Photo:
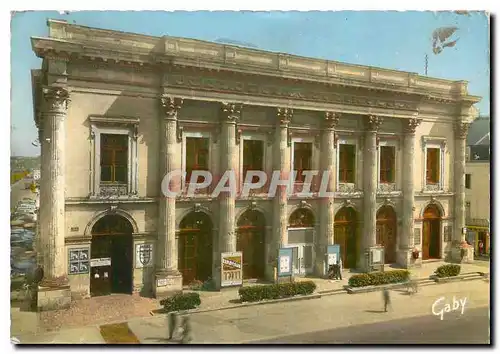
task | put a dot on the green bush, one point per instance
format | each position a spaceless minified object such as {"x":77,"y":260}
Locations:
{"x":448,"y":270}
{"x":276,"y":291}
{"x":379,"y":278}
{"x":181,"y":302}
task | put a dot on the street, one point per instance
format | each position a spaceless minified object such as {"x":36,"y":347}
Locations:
{"x":471,"y":328}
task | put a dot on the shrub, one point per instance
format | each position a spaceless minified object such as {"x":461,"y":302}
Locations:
{"x":276,"y":291}
{"x":379,"y":278}
{"x":448,"y":270}
{"x":181,"y":302}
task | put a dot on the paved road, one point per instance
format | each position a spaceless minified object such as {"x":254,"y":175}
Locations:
{"x":17,"y":192}
{"x":470,"y":328}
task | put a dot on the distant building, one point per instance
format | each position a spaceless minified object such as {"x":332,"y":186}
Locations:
{"x":477,"y":183}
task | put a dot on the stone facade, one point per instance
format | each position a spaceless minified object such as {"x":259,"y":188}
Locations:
{"x":159,"y":91}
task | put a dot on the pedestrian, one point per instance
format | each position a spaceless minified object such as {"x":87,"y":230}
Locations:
{"x":187,"y":336}
{"x":481,"y":247}
{"x":172,"y":324}
{"x":387,"y":298}
{"x":340,"y":268}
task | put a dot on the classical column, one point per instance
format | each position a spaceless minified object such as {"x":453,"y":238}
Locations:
{"x":328,"y":164}
{"x":230,"y":115}
{"x":461,"y":130}
{"x":370,"y":158}
{"x":52,"y":206}
{"x":408,"y":165}
{"x":282,"y":164}
{"x":166,"y":261}
{"x":42,"y":219}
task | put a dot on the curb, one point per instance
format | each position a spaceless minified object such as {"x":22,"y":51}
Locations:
{"x":246,"y":304}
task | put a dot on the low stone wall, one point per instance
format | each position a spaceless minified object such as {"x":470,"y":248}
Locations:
{"x":54,"y":298}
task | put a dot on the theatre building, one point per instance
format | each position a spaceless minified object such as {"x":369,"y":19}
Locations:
{"x":117,"y":111}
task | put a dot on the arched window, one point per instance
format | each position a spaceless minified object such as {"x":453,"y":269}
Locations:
{"x":301,"y":218}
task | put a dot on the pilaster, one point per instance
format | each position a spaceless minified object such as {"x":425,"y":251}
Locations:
{"x":406,"y":243}
{"x":282,"y":164}
{"x":370,"y":158}
{"x":229,"y":117}
{"x":328,"y":164}
{"x":52,"y":233}
{"x":461,"y":129}
{"x":168,"y":279}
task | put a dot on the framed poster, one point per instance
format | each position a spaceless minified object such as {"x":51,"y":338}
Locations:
{"x":231,"y":269}
{"x":78,"y":259}
{"x":143,"y":255}
{"x":285,"y":259}
{"x":333,"y":256}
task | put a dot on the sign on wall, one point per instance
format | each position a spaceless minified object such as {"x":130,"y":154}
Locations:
{"x":285,"y":264}
{"x":143,"y":255}
{"x":100,"y":262}
{"x":78,"y":260}
{"x":231,"y":269}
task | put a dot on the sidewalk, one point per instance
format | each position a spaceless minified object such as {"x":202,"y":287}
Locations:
{"x":236,"y":326}
{"x":228,"y":297}
{"x":210,"y":319}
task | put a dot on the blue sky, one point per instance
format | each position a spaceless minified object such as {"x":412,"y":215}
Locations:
{"x":394,"y":40}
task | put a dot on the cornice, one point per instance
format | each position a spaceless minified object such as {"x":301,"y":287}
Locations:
{"x":87,"y":201}
{"x":119,"y":46}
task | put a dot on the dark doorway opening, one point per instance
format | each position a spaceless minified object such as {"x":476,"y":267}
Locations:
{"x":346,"y":235}
{"x":386,"y":232}
{"x":112,"y":246}
{"x":195,"y":247}
{"x":431,"y":238}
{"x":251,"y":242}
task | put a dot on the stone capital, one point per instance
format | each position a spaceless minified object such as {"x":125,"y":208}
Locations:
{"x":231,"y":112}
{"x":373,"y":122}
{"x":171,"y":106}
{"x":284,"y":115}
{"x":331,"y":119}
{"x":56,"y":99}
{"x":410,"y":125}
{"x":461,"y":130}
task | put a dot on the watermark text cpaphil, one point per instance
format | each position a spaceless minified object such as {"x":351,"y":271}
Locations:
{"x":174,"y":183}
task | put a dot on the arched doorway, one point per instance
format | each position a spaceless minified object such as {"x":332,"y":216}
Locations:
{"x":251,"y":241}
{"x":301,"y":239}
{"x":195,"y":247}
{"x":387,"y":231}
{"x":346,"y":230}
{"x":431,"y":233}
{"x":111,"y":250}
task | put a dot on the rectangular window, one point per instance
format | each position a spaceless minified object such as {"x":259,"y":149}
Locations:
{"x":114,"y":158}
{"x":467,"y":181}
{"x":196,"y":156}
{"x":302,"y":159}
{"x":433,"y":167}
{"x":253,"y":157}
{"x":387,"y":164}
{"x":347,"y":163}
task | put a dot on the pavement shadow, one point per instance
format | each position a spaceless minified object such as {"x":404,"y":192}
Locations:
{"x":163,"y":340}
{"x":235,"y":301}
{"x":375,"y":311}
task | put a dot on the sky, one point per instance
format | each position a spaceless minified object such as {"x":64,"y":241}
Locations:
{"x":393,"y":40}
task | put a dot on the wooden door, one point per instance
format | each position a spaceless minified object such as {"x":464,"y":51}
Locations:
{"x":426,"y":238}
{"x":386,"y":233}
{"x":187,"y":256}
{"x":248,"y":243}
